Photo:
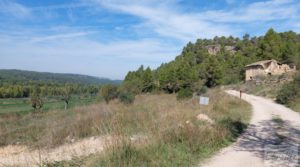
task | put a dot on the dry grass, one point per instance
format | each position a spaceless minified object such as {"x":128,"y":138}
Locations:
{"x":54,"y":127}
{"x":174,"y":136}
{"x":295,"y":104}
{"x":177,"y":137}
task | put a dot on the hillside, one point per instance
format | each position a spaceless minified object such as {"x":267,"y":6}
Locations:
{"x":213,"y":62}
{"x":21,"y":76}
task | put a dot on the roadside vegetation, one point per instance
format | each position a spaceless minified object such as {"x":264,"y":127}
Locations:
{"x":268,"y":86}
{"x":289,"y":94}
{"x":166,"y":131}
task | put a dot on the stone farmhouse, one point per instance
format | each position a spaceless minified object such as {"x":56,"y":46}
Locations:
{"x":265,"y":68}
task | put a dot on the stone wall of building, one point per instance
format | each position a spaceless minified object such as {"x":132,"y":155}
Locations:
{"x":266,"y":68}
{"x":253,"y":71}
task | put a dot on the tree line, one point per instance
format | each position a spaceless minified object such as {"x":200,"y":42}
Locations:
{"x":45,"y":90}
{"x":21,"y":76}
{"x":20,"y":84}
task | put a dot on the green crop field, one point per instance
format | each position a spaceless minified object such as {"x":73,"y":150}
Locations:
{"x":23,"y":105}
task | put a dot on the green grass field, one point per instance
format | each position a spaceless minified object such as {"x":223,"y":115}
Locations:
{"x":23,"y":105}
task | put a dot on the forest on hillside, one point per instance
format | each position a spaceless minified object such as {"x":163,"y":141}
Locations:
{"x":212,"y":62}
{"x":21,"y":76}
{"x":19,"y":84}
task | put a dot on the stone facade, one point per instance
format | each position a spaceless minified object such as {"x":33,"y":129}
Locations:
{"x":265,"y":68}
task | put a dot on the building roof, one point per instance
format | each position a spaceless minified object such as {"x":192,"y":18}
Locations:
{"x":261,"y":63}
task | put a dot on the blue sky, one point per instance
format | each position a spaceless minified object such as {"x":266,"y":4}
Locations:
{"x":108,"y":38}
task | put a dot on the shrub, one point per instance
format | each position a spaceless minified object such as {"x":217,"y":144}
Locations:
{"x":36,"y":102}
{"x":131,"y":86}
{"x":126,"y":97}
{"x":289,"y":91}
{"x":202,"y":90}
{"x":109,"y":92}
{"x":286,"y":93}
{"x":185,"y":93}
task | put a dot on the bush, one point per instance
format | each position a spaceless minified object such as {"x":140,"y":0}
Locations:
{"x":185,"y":93}
{"x":286,"y":93}
{"x":202,"y":90}
{"x":289,"y":91}
{"x":126,"y":98}
{"x":109,"y":92}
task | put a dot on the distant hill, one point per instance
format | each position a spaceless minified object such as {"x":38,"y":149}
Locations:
{"x":22,"y":76}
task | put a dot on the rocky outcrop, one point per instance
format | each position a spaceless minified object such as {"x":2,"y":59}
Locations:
{"x":214,"y":49}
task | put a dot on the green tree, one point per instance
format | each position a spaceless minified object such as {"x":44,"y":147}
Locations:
{"x":271,"y":46}
{"x":36,"y":100}
{"x":109,"y":92}
{"x":66,"y":95}
{"x":147,"y":80}
{"x":211,"y":72}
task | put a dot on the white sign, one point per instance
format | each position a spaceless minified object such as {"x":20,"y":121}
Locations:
{"x":204,"y":100}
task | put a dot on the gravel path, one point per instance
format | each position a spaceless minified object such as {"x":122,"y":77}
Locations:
{"x":271,"y":140}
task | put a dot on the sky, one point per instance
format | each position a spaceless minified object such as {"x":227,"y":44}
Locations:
{"x":108,"y":38}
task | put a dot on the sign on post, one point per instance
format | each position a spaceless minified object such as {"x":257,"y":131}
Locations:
{"x":204,"y":100}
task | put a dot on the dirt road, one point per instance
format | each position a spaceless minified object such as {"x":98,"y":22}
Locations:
{"x":271,"y":140}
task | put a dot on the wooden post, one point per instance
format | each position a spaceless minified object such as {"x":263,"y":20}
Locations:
{"x":241,"y":94}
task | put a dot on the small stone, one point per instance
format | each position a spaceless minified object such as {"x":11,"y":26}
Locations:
{"x":204,"y":117}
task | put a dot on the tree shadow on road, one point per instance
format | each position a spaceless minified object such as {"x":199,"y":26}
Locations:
{"x":276,"y":142}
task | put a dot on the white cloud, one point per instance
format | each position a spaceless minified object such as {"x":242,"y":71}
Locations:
{"x":260,"y":11}
{"x":58,"y":36}
{"x":166,"y":21}
{"x":14,"y":9}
